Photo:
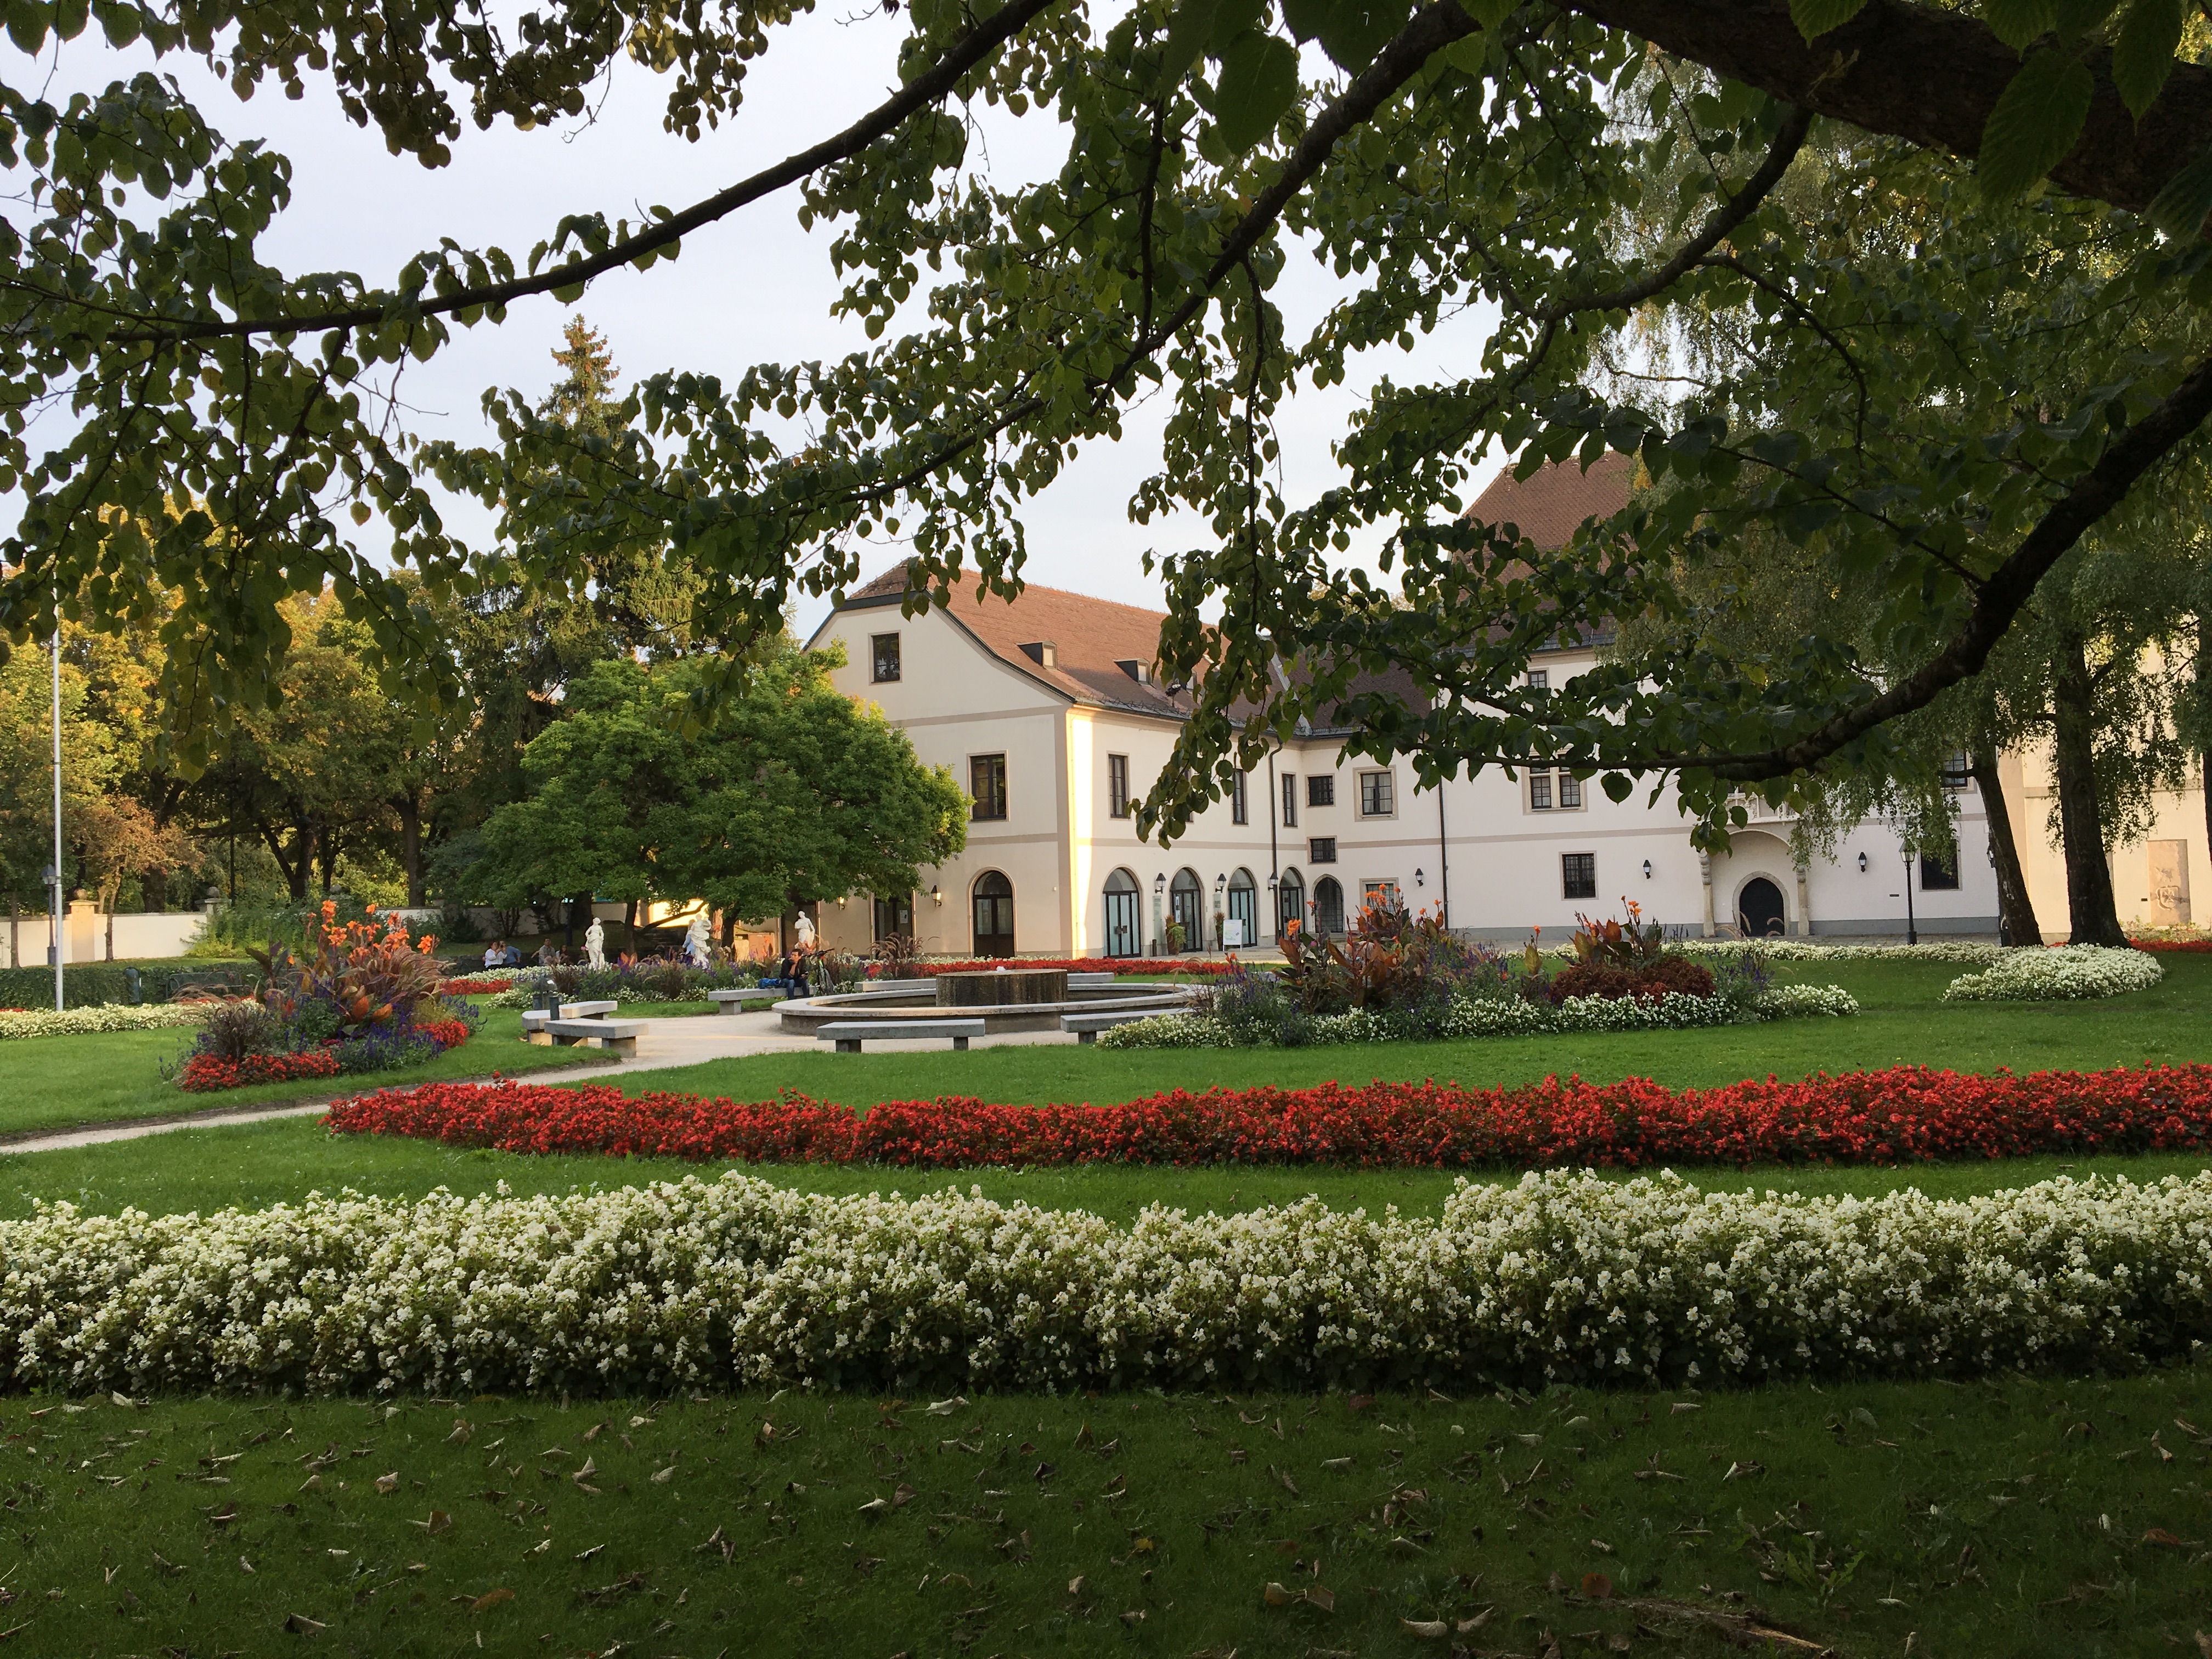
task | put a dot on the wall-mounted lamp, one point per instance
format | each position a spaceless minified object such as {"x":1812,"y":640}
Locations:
{"x":935,"y":897}
{"x":1159,"y":884}
{"x":1863,"y":863}
{"x":1647,"y":869}
{"x":1418,"y":880}
{"x":841,"y":901}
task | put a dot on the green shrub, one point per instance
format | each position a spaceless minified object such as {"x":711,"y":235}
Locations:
{"x":91,"y":984}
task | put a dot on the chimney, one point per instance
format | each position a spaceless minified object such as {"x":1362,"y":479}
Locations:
{"x":1140,"y":672}
{"x":1044,"y":652}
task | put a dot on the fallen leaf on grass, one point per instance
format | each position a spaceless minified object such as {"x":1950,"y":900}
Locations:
{"x":1313,"y":1596}
{"x":594,"y":1432}
{"x":438,"y":1523}
{"x":490,"y":1599}
{"x":877,"y":1506}
{"x":461,"y":1433}
{"x":300,"y":1625}
{"x":1744,"y":1471}
{"x":1598,"y":1587}
{"x":945,"y":1408}
{"x":1681,"y":1405}
{"x":1075,"y":1585}
{"x":1134,"y":1617}
{"x":2159,"y":1538}
{"x":1425,"y":1626}
{"x":904,"y":1496}
{"x":245,"y":1565}
{"x":2203,"y":1643}
{"x":388,"y":1484}
{"x":1360,"y":1402}
{"x":662,"y":1477}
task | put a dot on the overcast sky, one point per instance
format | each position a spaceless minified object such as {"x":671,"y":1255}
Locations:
{"x":755,"y":288}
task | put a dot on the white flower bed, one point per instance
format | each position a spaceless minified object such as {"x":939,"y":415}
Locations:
{"x":2066,"y":973}
{"x":105,"y":1016}
{"x":1793,"y":949}
{"x":734,"y":1282}
{"x":1489,"y":1016}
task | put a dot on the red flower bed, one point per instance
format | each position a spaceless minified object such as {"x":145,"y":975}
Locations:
{"x":1073,"y":964}
{"x":2174,"y":946}
{"x":204,"y":1073}
{"x":1902,"y":1115}
{"x":450,"y":1033}
{"x":471,"y":988}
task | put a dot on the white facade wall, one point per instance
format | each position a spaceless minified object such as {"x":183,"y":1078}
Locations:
{"x":1492,"y":862}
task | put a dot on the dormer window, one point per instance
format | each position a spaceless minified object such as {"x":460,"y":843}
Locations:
{"x":1044,"y":652}
{"x":1140,"y":672}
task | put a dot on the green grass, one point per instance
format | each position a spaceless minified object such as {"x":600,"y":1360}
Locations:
{"x":62,"y":1082}
{"x":1902,"y":1023}
{"x":256,"y":1164}
{"x":2022,"y":1517}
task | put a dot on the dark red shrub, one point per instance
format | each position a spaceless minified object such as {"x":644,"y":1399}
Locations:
{"x":1593,"y":979}
{"x":1676,"y":974}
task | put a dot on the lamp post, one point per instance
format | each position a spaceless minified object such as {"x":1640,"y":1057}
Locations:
{"x":1159,"y":890}
{"x":1220,"y":886}
{"x":54,"y":874}
{"x":1912,"y":927}
{"x":1274,"y":909}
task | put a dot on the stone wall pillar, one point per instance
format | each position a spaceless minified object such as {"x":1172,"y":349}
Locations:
{"x":1804,"y":903}
{"x":1705,"y":875}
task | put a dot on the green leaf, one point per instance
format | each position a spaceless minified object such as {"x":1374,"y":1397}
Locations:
{"x":2142,"y":56}
{"x":1350,"y":30}
{"x":2080,"y":17}
{"x":2037,"y":118}
{"x":1814,"y":18}
{"x":1192,"y":27}
{"x":1259,"y":78}
{"x":2016,"y":22}
{"x":2181,"y":207}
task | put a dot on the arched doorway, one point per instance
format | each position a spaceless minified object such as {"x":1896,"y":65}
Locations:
{"x":1124,"y":924}
{"x":994,"y":915}
{"x":1327,"y":906}
{"x":1187,"y":904}
{"x":1759,"y":911}
{"x":1290,"y":903}
{"x":1244,"y":908}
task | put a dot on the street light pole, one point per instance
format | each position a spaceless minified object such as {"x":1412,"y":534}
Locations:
{"x":54,"y":885}
{"x":1911,"y":929}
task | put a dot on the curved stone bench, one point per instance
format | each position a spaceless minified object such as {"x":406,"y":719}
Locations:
{"x":849,"y":1035}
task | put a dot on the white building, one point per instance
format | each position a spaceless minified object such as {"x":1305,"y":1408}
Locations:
{"x":1048,"y":711}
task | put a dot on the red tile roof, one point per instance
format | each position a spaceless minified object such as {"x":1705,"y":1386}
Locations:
{"x":1091,"y":638}
{"x":1555,"y":500}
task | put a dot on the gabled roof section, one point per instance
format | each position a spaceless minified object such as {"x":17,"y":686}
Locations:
{"x":1090,"y":640}
{"x":1557,"y":500}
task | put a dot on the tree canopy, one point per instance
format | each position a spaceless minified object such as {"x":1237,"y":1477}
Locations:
{"x":1981,"y":339}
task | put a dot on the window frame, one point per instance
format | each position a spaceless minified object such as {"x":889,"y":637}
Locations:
{"x":1313,"y":852}
{"x":1117,"y":786}
{"x":1320,"y":789}
{"x":1382,"y":783}
{"x":1240,"y":810}
{"x":976,"y":812}
{"x":1928,"y":865}
{"x":876,"y":676}
{"x":1289,"y":800}
{"x":1539,"y":790}
{"x":1568,"y":870}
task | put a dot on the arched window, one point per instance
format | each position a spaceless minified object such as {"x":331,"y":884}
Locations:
{"x":1289,"y":902}
{"x":1187,"y":904}
{"x":1327,"y":906}
{"x":1125,"y":930}
{"x":1244,"y":908}
{"x":994,"y":915}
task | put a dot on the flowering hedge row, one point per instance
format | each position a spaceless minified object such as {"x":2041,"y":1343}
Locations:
{"x":2071,"y":973}
{"x":1901,"y":1115}
{"x":736,"y":1283}
{"x":2174,"y":946}
{"x":101,"y":1016}
{"x":475,"y":985}
{"x":1805,"y":949}
{"x":1502,"y":1016}
{"x":205,"y":1075}
{"x":1195,"y":965}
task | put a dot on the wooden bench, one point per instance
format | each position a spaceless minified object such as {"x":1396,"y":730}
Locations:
{"x":618,"y":1037}
{"x":849,"y":1034}
{"x":1087,"y":1027}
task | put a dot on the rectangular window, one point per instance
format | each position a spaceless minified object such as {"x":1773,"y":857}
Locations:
{"x":1238,"y":812}
{"x":1578,"y":875}
{"x":1937,"y":875}
{"x":1290,"y":801}
{"x":886,"y":655}
{"x":1117,"y":786}
{"x":1320,"y":790}
{"x":1540,"y":683}
{"x":1957,"y":774}
{"x":986,"y":782}
{"x":1570,"y":790}
{"x":1539,"y":791}
{"x":1378,"y":795}
{"x":1322,"y":849}
{"x":1381,"y":895}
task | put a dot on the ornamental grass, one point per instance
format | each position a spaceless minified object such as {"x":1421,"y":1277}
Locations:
{"x":1902,"y":1114}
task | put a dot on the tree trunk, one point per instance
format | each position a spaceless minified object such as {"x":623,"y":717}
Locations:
{"x":409,"y":808}
{"x":2093,"y":918}
{"x":630,"y":921}
{"x":2015,"y":908}
{"x":300,"y":865}
{"x":326,"y":860}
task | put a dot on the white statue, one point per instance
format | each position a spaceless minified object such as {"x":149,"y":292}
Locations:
{"x":696,"y":939}
{"x":806,"y":931}
{"x":595,"y":944}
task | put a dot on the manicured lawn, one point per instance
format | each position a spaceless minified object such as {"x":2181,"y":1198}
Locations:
{"x":1904,"y":1023}
{"x":59,"y":1082}
{"x":2024,"y":1518}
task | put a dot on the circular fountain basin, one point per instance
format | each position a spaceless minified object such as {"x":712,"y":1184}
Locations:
{"x":1088,"y":994}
